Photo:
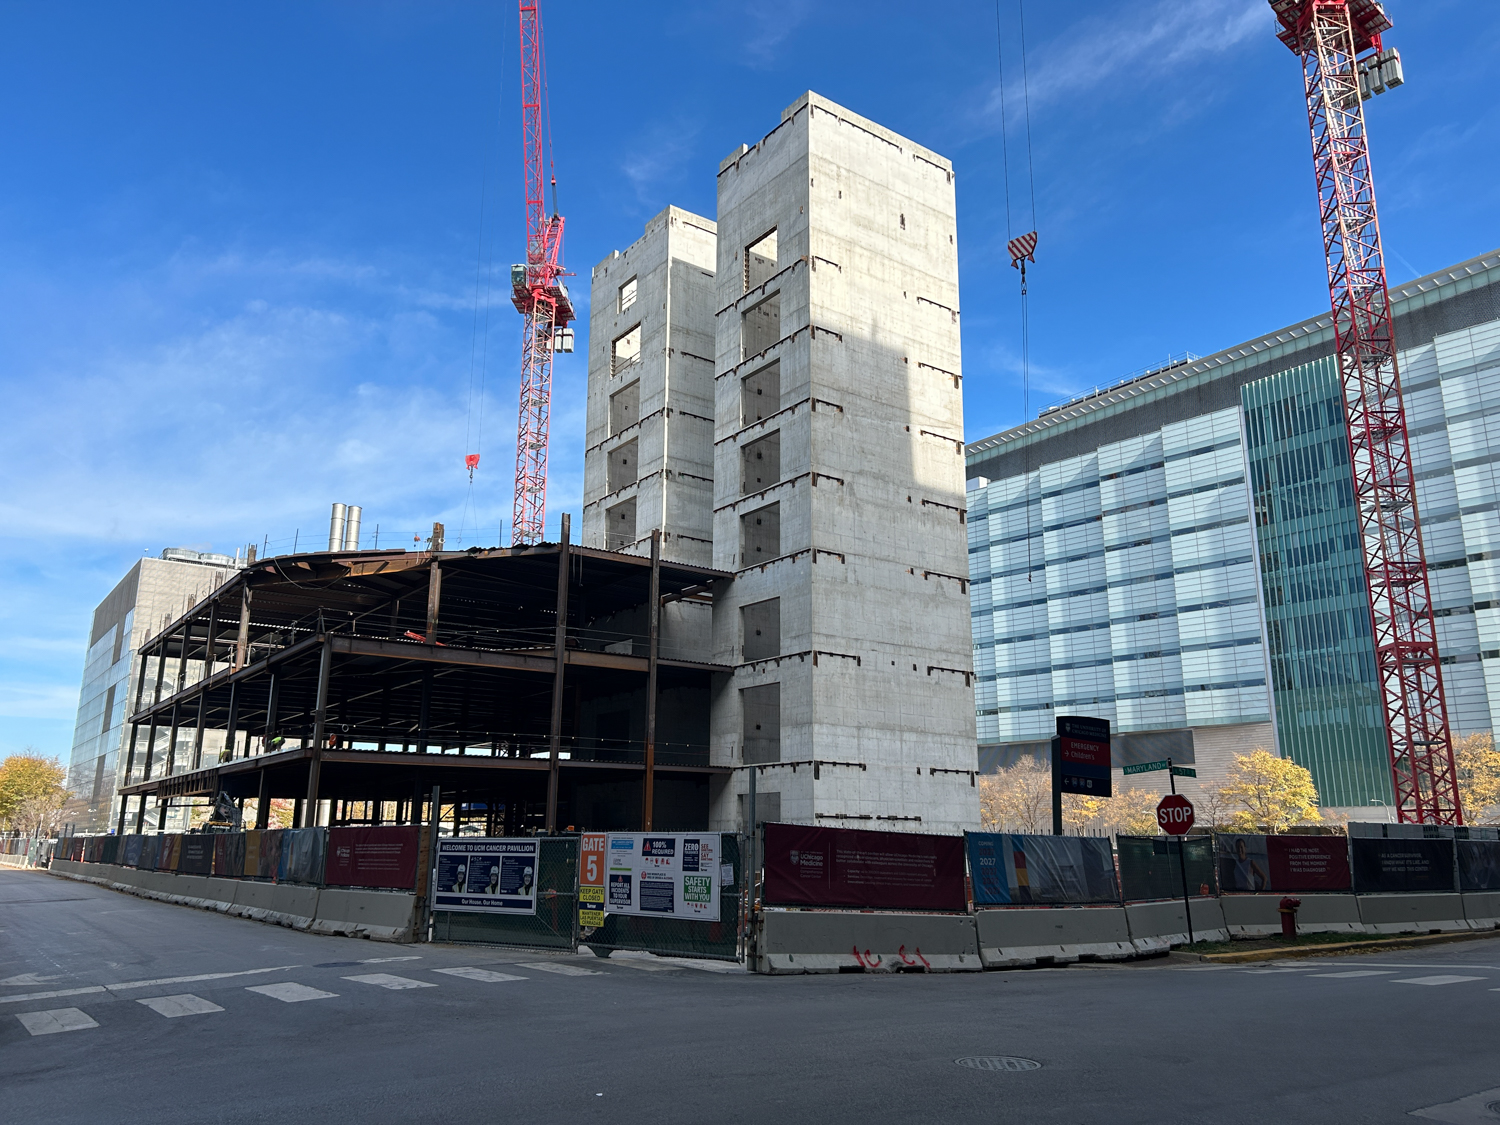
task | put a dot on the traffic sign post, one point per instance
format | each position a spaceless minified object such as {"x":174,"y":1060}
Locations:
{"x":1175,"y":816}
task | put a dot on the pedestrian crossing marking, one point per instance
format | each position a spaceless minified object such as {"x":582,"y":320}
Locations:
{"x":57,"y":1020}
{"x":560,"y":969}
{"x":1357,"y":973}
{"x":388,"y":980}
{"x":1441,"y":979}
{"x":488,"y":976}
{"x":289,"y":992}
{"x":184,"y":1005}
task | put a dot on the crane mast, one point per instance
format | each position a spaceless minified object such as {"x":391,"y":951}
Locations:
{"x":537,"y":294}
{"x":1329,"y":36}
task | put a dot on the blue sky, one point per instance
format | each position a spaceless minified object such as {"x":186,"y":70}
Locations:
{"x":238,"y":242}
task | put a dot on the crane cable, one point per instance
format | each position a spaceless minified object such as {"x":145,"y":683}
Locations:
{"x":479,"y":343}
{"x":1023,"y":247}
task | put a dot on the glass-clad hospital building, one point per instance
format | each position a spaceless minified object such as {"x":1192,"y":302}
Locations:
{"x":1179,"y":553}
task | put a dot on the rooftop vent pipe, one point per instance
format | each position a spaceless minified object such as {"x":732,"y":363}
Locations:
{"x":351,"y":528}
{"x":336,"y":528}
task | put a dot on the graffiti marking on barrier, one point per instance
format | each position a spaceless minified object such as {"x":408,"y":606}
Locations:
{"x":918,"y":951}
{"x":869,"y":960}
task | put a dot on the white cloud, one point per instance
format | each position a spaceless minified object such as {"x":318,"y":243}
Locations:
{"x":1140,"y":44}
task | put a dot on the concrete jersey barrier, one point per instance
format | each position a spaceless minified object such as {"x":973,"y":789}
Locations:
{"x":1404,"y":913}
{"x":333,"y":911}
{"x":1157,"y":926}
{"x":1017,"y":937}
{"x":1249,"y":915}
{"x":827,"y":941}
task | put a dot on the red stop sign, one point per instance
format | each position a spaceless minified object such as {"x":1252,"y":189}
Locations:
{"x":1175,"y":815}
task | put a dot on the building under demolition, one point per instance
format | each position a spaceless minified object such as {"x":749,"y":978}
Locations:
{"x":1179,"y":553}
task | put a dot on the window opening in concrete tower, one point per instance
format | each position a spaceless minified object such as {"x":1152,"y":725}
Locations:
{"x":627,"y":294}
{"x":761,"y":626}
{"x":760,"y":463}
{"x":623,"y":467}
{"x":760,"y":394}
{"x":625,"y":408}
{"x":767,"y":809}
{"x":760,"y":535}
{"x":626,"y":350}
{"x":760,"y":260}
{"x":761,"y":707}
{"x":760,"y":327}
{"x":619,"y":526}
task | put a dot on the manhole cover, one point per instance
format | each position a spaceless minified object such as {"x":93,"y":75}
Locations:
{"x":998,"y":1062}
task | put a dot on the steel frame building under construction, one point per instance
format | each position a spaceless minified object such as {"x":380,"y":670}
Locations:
{"x":521,"y":682}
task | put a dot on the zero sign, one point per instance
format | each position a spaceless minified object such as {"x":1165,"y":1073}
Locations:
{"x":1175,"y":815}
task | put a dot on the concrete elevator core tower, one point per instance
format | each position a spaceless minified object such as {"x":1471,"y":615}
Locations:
{"x":648,"y":463}
{"x":839,"y":482}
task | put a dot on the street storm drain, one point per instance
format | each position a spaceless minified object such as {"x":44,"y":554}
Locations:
{"x":998,"y":1062}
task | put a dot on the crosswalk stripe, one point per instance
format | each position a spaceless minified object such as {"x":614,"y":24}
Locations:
{"x":59,"y":1019}
{"x":1357,"y":973}
{"x":560,"y":969}
{"x":387,"y":980}
{"x":648,"y":966}
{"x":1263,"y":971}
{"x":290,"y":992}
{"x":1441,"y":979}
{"x":489,"y":976}
{"x":184,"y":1005}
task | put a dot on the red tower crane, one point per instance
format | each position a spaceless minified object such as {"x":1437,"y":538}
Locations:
{"x":1330,"y":36}
{"x":537,"y":292}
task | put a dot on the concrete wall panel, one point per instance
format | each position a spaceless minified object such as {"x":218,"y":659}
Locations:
{"x":1011,"y":938}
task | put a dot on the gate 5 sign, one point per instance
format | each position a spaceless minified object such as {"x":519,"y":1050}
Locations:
{"x":486,"y":876}
{"x":1175,"y":815}
{"x":592,"y":847}
{"x":665,"y":875}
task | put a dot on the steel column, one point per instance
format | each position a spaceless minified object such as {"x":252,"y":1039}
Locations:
{"x":560,"y":654}
{"x":320,"y":721}
{"x":653,"y":640}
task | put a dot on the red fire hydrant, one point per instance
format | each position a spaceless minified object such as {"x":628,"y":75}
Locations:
{"x":1288,"y":910}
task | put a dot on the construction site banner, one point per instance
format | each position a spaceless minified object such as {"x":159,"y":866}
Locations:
{"x":486,"y":875}
{"x":663,"y":874}
{"x":1478,"y":865}
{"x":132,"y":854}
{"x":268,"y":857}
{"x":1394,"y":866}
{"x":1010,"y":869}
{"x":302,"y":852}
{"x":1151,"y":866}
{"x":1250,"y":862}
{"x":372,"y":857}
{"x":229,"y":854}
{"x":871,"y":870}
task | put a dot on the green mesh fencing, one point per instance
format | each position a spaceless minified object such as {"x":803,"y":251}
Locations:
{"x":553,"y":926}
{"x":1151,"y":867}
{"x":681,"y":937}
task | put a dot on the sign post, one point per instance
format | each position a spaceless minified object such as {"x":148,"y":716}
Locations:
{"x":1080,"y":762}
{"x":1175,"y":815}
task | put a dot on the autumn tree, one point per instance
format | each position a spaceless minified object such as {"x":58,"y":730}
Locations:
{"x":31,"y":792}
{"x":1478,"y":764}
{"x":1269,"y":793}
{"x":1017,"y":799}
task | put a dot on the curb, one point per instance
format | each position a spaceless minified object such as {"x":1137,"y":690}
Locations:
{"x":1416,"y":940}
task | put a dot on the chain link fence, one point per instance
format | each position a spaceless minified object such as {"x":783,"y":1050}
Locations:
{"x":682,"y":937}
{"x":553,"y":926}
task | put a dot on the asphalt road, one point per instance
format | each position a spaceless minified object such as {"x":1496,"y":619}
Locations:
{"x":118,"y":1009}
